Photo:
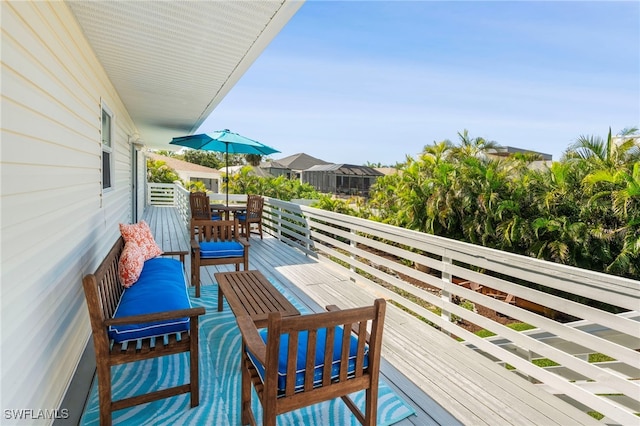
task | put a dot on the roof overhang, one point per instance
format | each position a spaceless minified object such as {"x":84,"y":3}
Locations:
{"x":172,"y":62}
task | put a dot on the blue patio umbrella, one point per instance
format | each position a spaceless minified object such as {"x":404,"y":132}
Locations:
{"x":224,"y":141}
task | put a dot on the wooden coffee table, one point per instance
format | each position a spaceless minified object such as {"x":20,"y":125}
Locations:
{"x":250,"y":293}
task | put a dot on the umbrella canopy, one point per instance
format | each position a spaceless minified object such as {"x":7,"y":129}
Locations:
{"x":224,"y":141}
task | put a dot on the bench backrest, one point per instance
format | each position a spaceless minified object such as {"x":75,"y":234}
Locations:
{"x":103,"y":290}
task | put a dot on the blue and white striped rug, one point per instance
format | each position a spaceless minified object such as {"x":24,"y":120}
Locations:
{"x":219,"y":384}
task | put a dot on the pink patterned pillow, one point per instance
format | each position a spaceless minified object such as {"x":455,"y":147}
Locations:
{"x":140,"y":233}
{"x":130,"y":264}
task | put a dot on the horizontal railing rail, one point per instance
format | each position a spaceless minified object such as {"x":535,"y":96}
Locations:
{"x":585,"y":325}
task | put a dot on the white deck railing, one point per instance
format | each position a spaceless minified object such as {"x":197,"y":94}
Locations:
{"x":556,"y":300}
{"x":552,"y":298}
{"x":161,"y":194}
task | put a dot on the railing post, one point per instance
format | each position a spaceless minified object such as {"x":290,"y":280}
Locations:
{"x":446,"y":277}
{"x":353,"y":243}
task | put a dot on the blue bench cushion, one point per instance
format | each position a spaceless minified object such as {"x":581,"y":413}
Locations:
{"x":319,"y":357}
{"x":160,"y":288}
{"x":219,"y":249}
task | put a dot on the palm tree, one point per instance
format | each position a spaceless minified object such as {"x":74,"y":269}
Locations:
{"x":606,"y":154}
{"x":620,"y":191}
{"x":253,"y":159}
{"x":473,"y":147}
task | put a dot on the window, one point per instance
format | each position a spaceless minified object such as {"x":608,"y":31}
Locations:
{"x":107,"y":148}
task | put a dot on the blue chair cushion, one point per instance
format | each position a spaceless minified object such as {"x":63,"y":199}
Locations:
{"x":319,"y":357}
{"x":241,"y":217}
{"x":161,"y":287}
{"x":220,"y":249}
{"x":216,"y":217}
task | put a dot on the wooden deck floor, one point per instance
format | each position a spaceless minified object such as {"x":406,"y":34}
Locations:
{"x":446,"y":382}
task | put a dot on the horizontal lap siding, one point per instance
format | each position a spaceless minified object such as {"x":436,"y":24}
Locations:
{"x":56,"y":223}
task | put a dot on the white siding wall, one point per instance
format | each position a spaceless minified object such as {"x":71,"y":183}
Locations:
{"x":56,"y":223}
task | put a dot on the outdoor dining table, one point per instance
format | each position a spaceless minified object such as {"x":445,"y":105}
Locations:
{"x":235,"y":208}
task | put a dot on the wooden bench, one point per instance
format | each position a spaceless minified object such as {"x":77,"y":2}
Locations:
{"x":103,"y":293}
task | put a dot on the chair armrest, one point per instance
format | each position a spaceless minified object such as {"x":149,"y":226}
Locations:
{"x":243,"y":242}
{"x":157,"y":316}
{"x":252,"y":339}
{"x":195,"y":246}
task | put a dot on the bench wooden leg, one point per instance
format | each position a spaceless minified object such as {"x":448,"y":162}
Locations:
{"x":193,"y":363}
{"x":104,"y":393}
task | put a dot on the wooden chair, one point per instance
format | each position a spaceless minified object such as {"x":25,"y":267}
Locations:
{"x":215,"y":242}
{"x":253,"y":214}
{"x":201,"y":207}
{"x":285,"y":382}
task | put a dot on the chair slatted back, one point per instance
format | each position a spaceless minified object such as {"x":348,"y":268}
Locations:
{"x":214,"y":230}
{"x":199,"y":204}
{"x":354,"y":323}
{"x":255,"y":204}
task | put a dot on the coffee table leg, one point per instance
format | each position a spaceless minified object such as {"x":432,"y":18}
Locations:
{"x":220,"y":296}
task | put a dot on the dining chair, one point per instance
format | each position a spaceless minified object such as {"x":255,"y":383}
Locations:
{"x":215,"y":242}
{"x":201,"y":207}
{"x":308,"y":359}
{"x":252,"y":215}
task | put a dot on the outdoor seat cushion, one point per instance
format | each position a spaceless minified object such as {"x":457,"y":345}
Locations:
{"x":319,"y":357}
{"x":160,"y":288}
{"x":243,"y":216}
{"x":220,"y":249}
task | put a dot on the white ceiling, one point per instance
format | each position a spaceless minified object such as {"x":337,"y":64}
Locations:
{"x":172,"y":62}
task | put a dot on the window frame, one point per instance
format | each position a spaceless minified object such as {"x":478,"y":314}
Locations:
{"x":107,"y":149}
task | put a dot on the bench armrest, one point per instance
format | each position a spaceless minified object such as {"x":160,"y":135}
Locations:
{"x":157,"y":316}
{"x":181,"y":253}
{"x":252,"y":339}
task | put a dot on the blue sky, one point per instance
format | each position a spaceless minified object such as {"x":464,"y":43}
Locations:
{"x":361,"y":81}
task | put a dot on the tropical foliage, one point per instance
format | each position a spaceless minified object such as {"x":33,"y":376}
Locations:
{"x":583,"y":210}
{"x":159,"y":172}
{"x":245,"y":182}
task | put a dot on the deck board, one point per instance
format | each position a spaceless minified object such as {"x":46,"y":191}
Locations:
{"x":449,"y":382}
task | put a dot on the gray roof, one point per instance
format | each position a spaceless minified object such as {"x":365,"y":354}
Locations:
{"x":299,"y":161}
{"x":345,"y":169}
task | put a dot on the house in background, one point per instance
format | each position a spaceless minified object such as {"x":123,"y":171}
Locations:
{"x":86,"y":87}
{"x":291,"y":166}
{"x":190,"y":172}
{"x":341,"y":179}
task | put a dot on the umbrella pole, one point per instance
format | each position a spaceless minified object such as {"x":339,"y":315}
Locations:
{"x":227,"y":177}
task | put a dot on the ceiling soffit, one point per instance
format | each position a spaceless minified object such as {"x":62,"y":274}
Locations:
{"x":172,"y":62}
